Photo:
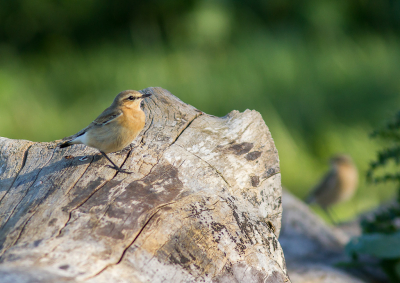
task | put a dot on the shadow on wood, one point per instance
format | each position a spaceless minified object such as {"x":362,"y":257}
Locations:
{"x":203,"y":204}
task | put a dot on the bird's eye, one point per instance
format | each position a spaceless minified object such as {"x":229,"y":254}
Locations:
{"x":131,"y":98}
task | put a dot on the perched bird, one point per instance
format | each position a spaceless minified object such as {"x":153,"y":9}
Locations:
{"x":116,"y":127}
{"x":338,"y":185}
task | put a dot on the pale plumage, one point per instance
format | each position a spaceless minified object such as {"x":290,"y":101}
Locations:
{"x":116,"y":127}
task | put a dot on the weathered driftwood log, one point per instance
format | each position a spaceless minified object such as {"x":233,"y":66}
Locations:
{"x":313,"y":249}
{"x":203,"y":204}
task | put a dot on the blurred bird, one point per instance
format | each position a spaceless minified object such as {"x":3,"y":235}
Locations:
{"x":338,"y":185}
{"x":116,"y":127}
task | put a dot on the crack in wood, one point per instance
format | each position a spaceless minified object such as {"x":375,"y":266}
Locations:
{"x":132,"y":242}
{"x":78,"y":179}
{"x":145,"y":131}
{"x":15,"y":207}
{"x":30,"y":217}
{"x":20,"y":233}
{"x":111,"y":202}
{"x":19,"y":171}
{"x":27,"y":191}
{"x":141,"y":230}
{"x":203,"y":210}
{"x":82,"y":203}
{"x":280,"y":268}
{"x":215,"y":169}
{"x":18,"y":237}
{"x":269,"y":177}
{"x":187,"y":126}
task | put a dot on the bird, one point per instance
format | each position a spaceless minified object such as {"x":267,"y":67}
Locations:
{"x":115,"y":128}
{"x":338,"y":185}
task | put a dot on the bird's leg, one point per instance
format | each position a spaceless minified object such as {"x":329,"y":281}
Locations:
{"x":335,"y":216}
{"x":115,"y":166}
{"x":329,"y":215}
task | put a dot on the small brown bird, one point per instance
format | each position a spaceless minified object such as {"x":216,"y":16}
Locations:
{"x":116,"y":127}
{"x":338,"y":185}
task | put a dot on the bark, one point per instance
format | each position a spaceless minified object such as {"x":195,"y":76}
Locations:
{"x":203,"y":204}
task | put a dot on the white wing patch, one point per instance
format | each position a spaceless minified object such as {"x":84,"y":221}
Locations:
{"x":80,"y":139}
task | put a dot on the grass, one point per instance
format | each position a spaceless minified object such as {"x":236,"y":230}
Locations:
{"x":318,"y":98}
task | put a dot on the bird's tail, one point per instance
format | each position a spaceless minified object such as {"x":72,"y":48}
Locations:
{"x":66,"y":144}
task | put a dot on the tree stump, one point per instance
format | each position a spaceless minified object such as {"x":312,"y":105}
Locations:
{"x":203,"y":204}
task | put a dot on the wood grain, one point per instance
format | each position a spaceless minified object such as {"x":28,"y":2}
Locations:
{"x":203,"y":204}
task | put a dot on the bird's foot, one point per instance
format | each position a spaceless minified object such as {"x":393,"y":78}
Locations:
{"x":119,"y":169}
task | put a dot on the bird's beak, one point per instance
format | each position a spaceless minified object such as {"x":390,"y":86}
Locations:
{"x":146,"y":95}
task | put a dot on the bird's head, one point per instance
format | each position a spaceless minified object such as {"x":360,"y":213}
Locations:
{"x":130,"y":98}
{"x":341,"y":159}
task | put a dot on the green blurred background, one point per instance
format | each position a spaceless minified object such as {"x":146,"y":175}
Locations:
{"x":322,"y":73}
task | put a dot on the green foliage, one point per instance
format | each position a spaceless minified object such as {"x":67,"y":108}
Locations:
{"x":386,"y":221}
{"x":381,"y":232}
{"x":29,"y":25}
{"x":391,"y":134}
{"x":376,"y":244}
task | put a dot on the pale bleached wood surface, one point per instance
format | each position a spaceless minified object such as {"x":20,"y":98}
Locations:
{"x":203,"y":204}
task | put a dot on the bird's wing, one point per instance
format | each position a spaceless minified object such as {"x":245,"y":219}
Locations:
{"x":106,"y":117}
{"x":80,"y":133}
{"x":330,"y":180}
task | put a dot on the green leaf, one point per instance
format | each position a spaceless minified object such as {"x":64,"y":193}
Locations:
{"x":384,"y":246}
{"x":397,"y":269}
